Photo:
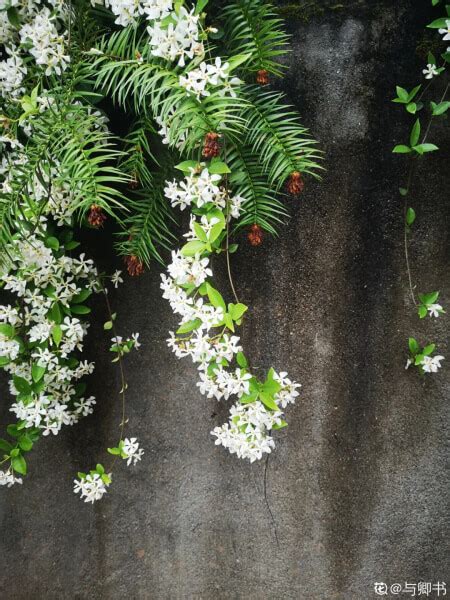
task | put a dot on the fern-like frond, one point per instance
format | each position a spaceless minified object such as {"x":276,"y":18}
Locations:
{"x":276,"y":136}
{"x":261,"y":204}
{"x":253,"y":27}
{"x":145,"y":230}
{"x":68,"y":150}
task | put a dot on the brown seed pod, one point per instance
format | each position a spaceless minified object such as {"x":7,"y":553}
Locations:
{"x":295,"y":184}
{"x":262,"y":77}
{"x":96,"y":216}
{"x":255,"y":235}
{"x":211,"y":146}
{"x":135,"y":266}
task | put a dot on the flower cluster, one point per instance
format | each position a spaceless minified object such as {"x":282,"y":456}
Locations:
{"x":174,"y":32}
{"x":422,"y":359}
{"x":197,"y":81}
{"x":94,"y":485}
{"x":42,"y":35}
{"x":207,"y":323}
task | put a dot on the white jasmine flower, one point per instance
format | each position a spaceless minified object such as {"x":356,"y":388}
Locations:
{"x":446,"y":31}
{"x":431,"y":364}
{"x":435,"y":310}
{"x":91,"y":488}
{"x":431,"y":71}
{"x":116,"y":278}
{"x":132,"y":450}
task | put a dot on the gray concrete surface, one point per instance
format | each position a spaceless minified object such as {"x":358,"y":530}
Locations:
{"x":357,"y":486}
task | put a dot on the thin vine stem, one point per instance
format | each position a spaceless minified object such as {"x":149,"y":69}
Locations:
{"x":408,"y":186}
{"x":121,"y":371}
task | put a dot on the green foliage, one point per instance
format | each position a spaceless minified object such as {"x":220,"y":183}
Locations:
{"x":253,"y":27}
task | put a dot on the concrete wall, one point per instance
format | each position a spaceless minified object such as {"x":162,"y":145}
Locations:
{"x":356,"y":491}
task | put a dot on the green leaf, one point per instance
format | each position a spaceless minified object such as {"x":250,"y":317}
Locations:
{"x":237,"y":311}
{"x":71,"y":245}
{"x":81,"y":297}
{"x":429,"y":349}
{"x":52,"y":242}
{"x":13,"y":16}
{"x":249,"y":398}
{"x":413,"y":346}
{"x":25,"y":443}
{"x":200,"y":6}
{"x":193,"y":248}
{"x":241,"y":360}
{"x":403,"y":191}
{"x":438,"y":24}
{"x":57,"y":334}
{"x":435,"y":2}
{"x":80,"y":309}
{"x":217,"y":167}
{"x":200,"y":232}
{"x":282,"y":425}
{"x":271,"y":386}
{"x":401,"y":149}
{"x":100,"y":469}
{"x":215,"y":297}
{"x":429,"y":298}
{"x":216,"y":230}
{"x":228,"y":321}
{"x":415,"y":133}
{"x":190,"y":326}
{"x":108,"y":325}
{"x":232,"y":248}
{"x":21,"y":385}
{"x":410,"y":216}
{"x":54,"y":314}
{"x":268,"y":401}
{"x":441,"y":108}
{"x":413,"y":92}
{"x":187,"y":165}
{"x":423,"y":148}
{"x":7,"y":330}
{"x":114,"y":451}
{"x":19,"y":465}
{"x":412,"y":108}
{"x":402,"y":94}
{"x":12,"y":430}
{"x":5,"y":446}
{"x":37,"y":373}
{"x":422,"y":311}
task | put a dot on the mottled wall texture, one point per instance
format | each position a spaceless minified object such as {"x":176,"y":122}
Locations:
{"x":356,"y":491}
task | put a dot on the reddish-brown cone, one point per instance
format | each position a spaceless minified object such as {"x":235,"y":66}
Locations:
{"x":255,"y":235}
{"x":211,"y":146}
{"x":262,"y":77}
{"x":135,"y":266}
{"x":295,"y":184}
{"x":96,"y":216}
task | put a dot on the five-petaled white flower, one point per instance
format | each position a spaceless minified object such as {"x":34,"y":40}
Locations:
{"x":431,"y":71}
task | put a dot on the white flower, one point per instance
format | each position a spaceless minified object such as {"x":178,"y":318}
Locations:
{"x":91,"y":488}
{"x":132,"y":450}
{"x":446,"y":32}
{"x":435,"y":310}
{"x":431,"y":364}
{"x":135,"y":340}
{"x":431,"y":71}
{"x":116,"y":278}
{"x":7,"y":478}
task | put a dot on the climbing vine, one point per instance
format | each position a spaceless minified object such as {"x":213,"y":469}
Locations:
{"x":102,"y":103}
{"x":425,"y":357}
